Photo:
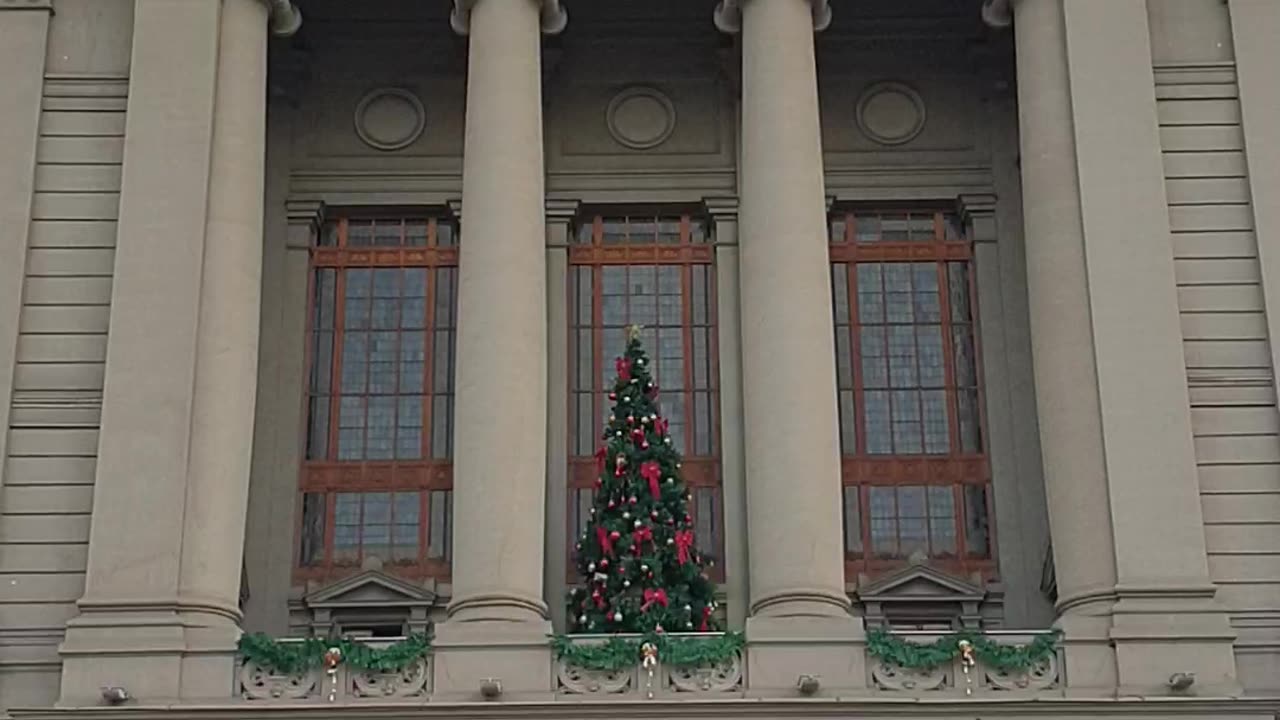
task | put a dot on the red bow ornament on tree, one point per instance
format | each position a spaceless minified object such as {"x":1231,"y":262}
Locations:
{"x":623,"y":366}
{"x":606,"y":545}
{"x":600,"y":456}
{"x":651,"y":471}
{"x":619,"y":466}
{"x":644,"y":534}
{"x":706,"y":618}
{"x":652,"y":596}
{"x":661,"y":426}
{"x":684,"y":543}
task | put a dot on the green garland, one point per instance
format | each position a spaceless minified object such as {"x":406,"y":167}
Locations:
{"x":617,"y":653}
{"x":294,"y":658}
{"x":896,"y":650}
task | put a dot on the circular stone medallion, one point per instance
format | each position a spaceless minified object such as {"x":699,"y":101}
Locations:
{"x":390,"y":119}
{"x":891,"y":113}
{"x":641,"y":118}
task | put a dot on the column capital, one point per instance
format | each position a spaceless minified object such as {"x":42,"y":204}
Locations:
{"x":558,"y":210}
{"x":305,"y":212}
{"x":286,"y":18}
{"x":998,"y":13}
{"x":728,"y":15}
{"x":978,"y":212}
{"x":554,"y":16}
{"x":721,"y":209}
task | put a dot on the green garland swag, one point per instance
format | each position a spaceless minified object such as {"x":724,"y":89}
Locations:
{"x":896,"y":650}
{"x":617,"y":653}
{"x":294,"y":658}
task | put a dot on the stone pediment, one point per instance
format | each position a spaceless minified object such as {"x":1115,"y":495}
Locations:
{"x":371,"y":589}
{"x":921,"y":583}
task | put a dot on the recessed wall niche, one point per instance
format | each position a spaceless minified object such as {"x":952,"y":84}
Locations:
{"x":390,"y":119}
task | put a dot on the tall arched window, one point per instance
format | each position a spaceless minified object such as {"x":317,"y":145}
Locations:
{"x":376,"y":479}
{"x":915,"y":471}
{"x":653,"y":269}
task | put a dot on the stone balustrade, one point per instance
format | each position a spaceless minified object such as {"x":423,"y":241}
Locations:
{"x":659,"y":680}
{"x":955,"y":678}
{"x":343,"y":684}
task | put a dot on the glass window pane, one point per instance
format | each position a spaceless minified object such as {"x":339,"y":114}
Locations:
{"x":878,"y":437}
{"x":313,"y":519}
{"x":884,"y":523}
{"x":837,"y":229}
{"x":970,"y":427}
{"x":894,"y":227}
{"x":867,"y":228}
{"x":942,"y":524}
{"x":415,"y":233}
{"x":840,"y":292}
{"x":977,"y":536}
{"x":386,"y":233}
{"x":913,"y":533}
{"x":440,"y":538}
{"x":902,"y":357}
{"x":360,"y":233}
{"x":958,"y":291}
{"x":933,"y":371}
{"x":445,"y":235}
{"x":937,"y":433}
{"x":318,"y":428}
{"x":326,"y":289}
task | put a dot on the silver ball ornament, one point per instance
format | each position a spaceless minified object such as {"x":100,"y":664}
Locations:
{"x":626,"y":583}
{"x":671,"y":541}
{"x":638,"y":523}
{"x":617,"y":617}
{"x":626,"y":516}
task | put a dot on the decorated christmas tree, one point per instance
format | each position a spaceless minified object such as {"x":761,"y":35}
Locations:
{"x":641,"y":570}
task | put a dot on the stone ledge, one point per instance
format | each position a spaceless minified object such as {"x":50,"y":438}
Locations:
{"x":1262,"y":708}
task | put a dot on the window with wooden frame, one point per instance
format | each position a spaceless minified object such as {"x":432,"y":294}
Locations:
{"x":653,"y":269}
{"x":915,"y":471}
{"x":376,"y":479}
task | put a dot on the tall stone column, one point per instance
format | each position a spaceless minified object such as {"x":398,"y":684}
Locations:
{"x":500,"y":451}
{"x":226,"y":348}
{"x":1066,"y":380}
{"x":1166,"y":618}
{"x":788,"y":357}
{"x":1114,"y":414}
{"x":160,"y":616}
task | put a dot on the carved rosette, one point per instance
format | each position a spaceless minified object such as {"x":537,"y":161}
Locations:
{"x":895,"y":677}
{"x":410,"y":681}
{"x":722,"y":677}
{"x":1041,"y":676}
{"x":575,"y":680}
{"x":258,"y":683}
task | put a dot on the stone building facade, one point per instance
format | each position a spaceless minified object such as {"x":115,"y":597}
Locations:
{"x":964,"y":313}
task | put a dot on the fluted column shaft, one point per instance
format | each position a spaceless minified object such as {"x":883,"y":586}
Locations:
{"x":788,"y":353}
{"x":500,"y":451}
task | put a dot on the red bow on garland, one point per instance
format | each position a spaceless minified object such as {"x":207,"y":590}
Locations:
{"x":661,"y":426}
{"x":606,"y":545}
{"x":651,"y":471}
{"x":684,"y":543}
{"x":706,"y":616}
{"x":652,"y":596}
{"x":623,"y":366}
{"x":600,"y":456}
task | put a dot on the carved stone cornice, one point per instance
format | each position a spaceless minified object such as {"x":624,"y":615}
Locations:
{"x":286,"y":18}
{"x":728,"y":15}
{"x":554,"y":16}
